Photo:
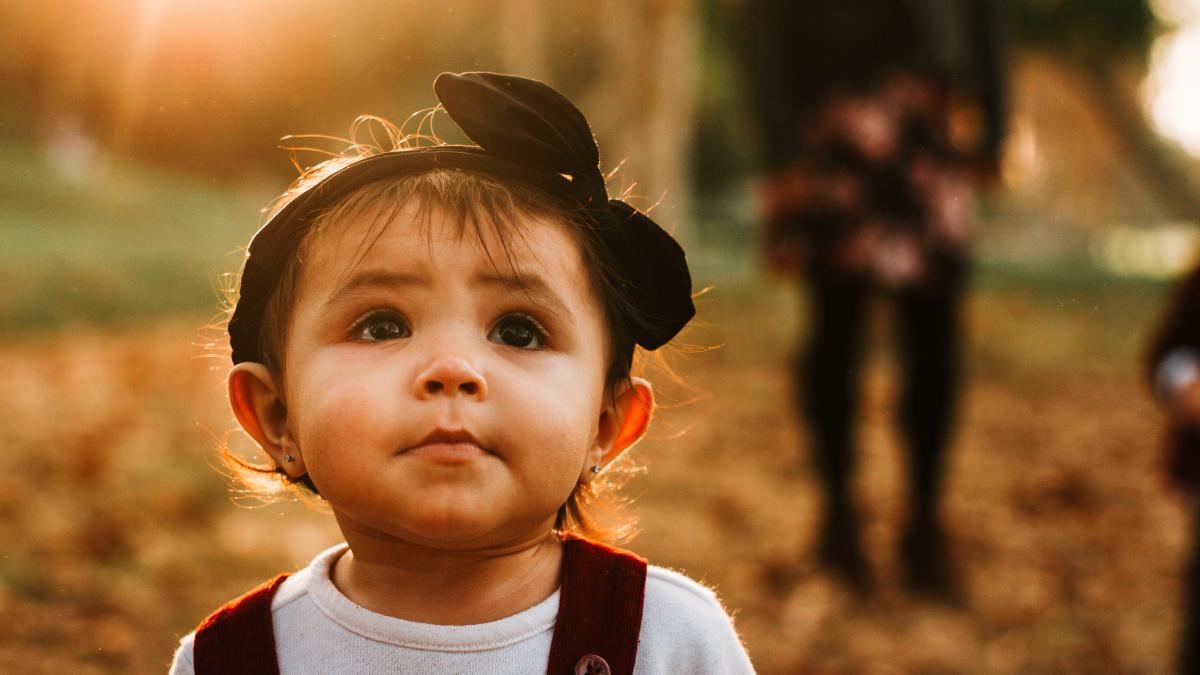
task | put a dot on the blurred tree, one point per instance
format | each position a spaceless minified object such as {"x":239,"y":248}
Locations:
{"x":210,"y":86}
{"x":1114,"y":30}
{"x":1101,"y":42}
{"x":639,"y":94}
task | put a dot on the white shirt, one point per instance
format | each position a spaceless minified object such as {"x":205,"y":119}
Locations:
{"x":319,"y":630}
{"x":1177,"y":369}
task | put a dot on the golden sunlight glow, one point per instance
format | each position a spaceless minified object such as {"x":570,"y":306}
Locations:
{"x":1172,"y":96}
{"x":131,"y":86}
{"x":212,"y":35}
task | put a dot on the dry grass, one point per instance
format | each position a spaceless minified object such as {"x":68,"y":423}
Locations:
{"x":118,"y":536}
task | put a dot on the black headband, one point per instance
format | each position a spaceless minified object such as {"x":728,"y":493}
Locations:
{"x":526,"y":132}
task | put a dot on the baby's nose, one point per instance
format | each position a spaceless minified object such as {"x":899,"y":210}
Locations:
{"x":450,"y":375}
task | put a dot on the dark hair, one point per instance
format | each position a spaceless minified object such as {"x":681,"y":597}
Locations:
{"x":476,"y":201}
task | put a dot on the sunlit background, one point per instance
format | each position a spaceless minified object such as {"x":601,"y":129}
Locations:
{"x":1172,"y":95}
{"x":140,"y":139}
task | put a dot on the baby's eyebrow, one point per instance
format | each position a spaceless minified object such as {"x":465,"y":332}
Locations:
{"x":367,"y":279}
{"x":531,"y":285}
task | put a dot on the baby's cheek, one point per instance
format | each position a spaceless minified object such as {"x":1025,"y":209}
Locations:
{"x":340,"y":421}
{"x":557,"y":436}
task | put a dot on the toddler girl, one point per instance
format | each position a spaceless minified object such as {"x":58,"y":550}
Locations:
{"x":438,"y":342}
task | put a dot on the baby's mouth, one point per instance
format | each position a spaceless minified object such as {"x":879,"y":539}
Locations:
{"x":448,"y":446}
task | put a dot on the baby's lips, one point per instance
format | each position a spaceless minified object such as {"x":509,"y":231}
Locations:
{"x":448,"y":438}
{"x":448,"y":453}
{"x":446,"y":435}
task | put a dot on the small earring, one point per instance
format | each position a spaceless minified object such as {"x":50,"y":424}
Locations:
{"x":595,"y":468}
{"x":288,"y":459}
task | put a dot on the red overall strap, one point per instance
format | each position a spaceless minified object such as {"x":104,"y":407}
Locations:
{"x":238,"y":639}
{"x":599,"y":612}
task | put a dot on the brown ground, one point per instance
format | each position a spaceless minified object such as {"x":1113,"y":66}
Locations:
{"x":118,"y":536}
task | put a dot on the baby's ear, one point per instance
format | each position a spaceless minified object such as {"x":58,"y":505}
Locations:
{"x":259,"y":408}
{"x":623,"y":421}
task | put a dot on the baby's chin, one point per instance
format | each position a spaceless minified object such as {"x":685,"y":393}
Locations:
{"x":467,"y":525}
{"x":455,"y":529}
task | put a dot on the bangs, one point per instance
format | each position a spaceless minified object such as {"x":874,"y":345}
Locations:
{"x":476,"y":204}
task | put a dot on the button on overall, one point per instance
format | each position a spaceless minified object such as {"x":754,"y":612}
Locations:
{"x":592,"y":664}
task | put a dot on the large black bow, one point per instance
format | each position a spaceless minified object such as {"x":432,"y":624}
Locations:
{"x":528,"y":123}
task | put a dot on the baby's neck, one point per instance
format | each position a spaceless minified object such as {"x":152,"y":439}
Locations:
{"x":435,"y":586}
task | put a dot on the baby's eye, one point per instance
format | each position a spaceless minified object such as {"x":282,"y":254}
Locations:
{"x":382,"y":326}
{"x":518,"y":330}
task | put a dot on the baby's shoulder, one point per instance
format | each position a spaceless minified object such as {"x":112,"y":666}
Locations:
{"x":685,"y":628}
{"x":678,"y":592}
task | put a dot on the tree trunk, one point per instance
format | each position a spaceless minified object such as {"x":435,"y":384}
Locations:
{"x":641,"y":103}
{"x":1170,"y":184}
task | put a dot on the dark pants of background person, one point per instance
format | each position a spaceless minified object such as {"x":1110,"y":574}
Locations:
{"x":1189,"y":637}
{"x":927,"y":330}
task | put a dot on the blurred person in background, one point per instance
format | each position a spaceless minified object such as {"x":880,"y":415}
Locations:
{"x":878,"y":118}
{"x":1173,"y":368}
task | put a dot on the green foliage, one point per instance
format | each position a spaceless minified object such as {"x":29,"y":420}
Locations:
{"x":1104,"y":31}
{"x":129,"y":243}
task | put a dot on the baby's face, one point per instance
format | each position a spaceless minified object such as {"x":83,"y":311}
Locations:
{"x":440,"y":395}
